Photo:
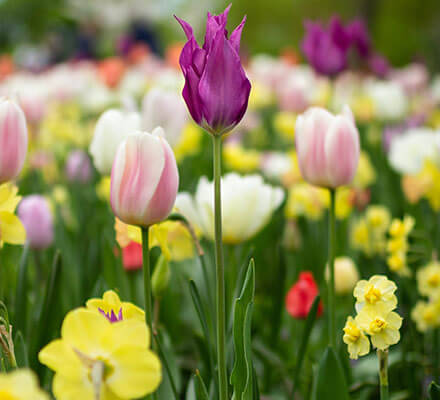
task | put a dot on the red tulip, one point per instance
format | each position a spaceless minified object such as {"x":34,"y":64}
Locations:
{"x":301,"y":295}
{"x":132,"y":256}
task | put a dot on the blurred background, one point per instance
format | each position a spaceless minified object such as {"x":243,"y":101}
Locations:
{"x":402,"y":30}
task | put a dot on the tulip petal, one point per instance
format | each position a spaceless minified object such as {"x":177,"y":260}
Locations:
{"x":223,"y":87}
{"x":191,"y":95}
{"x":236,"y":35}
{"x":215,"y":23}
{"x":187,"y":28}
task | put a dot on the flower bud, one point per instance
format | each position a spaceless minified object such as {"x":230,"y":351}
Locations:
{"x":161,"y":276}
{"x":300,"y":298}
{"x":13,"y":139}
{"x":112,"y":128}
{"x":346,"y":275}
{"x":144,"y":179}
{"x":78,"y":167}
{"x":36,"y":217}
{"x":327,"y":147}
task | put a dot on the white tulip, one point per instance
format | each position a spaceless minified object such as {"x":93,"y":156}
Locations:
{"x":389,"y":99}
{"x":112,"y":128}
{"x":165,"y":108}
{"x":247,"y":206}
{"x":410,"y":150}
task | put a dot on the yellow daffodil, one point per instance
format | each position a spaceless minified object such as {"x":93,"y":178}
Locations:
{"x":240,"y":159}
{"x":189,"y":142}
{"x":284,"y":123}
{"x":358,"y":344}
{"x":260,"y":96}
{"x":377,"y":293}
{"x":397,"y":263}
{"x":20,"y":384}
{"x":172,"y":237}
{"x":426,"y":315}
{"x":382,"y":326}
{"x":96,"y":358}
{"x":103,"y":188}
{"x":430,"y":177}
{"x":378,"y":217}
{"x":344,"y":202}
{"x":365,"y":174}
{"x":306,"y":200}
{"x":11,"y":229}
{"x":397,"y":245}
{"x":112,"y":306}
{"x":428,"y":279}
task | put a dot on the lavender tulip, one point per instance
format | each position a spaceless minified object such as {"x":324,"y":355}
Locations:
{"x":216,"y":87}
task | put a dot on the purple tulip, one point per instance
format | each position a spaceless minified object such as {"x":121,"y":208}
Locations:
{"x":35,"y":214}
{"x":78,"y":167}
{"x":216,"y":87}
{"x":379,"y":65}
{"x":326,"y":50}
{"x":359,"y":37}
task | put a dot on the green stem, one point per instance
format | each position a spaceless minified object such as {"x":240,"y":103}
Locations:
{"x":220,"y":273}
{"x":147,"y":286}
{"x":383,"y":373}
{"x":436,"y":350}
{"x":331,"y":264}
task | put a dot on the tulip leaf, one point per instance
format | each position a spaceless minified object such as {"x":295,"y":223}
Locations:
{"x":20,"y":311}
{"x":242,"y":373}
{"x":200,"y":388}
{"x":434,"y":391}
{"x":311,"y":318}
{"x":21,"y":351}
{"x":330,"y":373}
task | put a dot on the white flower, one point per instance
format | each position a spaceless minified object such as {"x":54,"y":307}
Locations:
{"x":165,"y":108}
{"x":276,"y":164}
{"x":409,"y":151}
{"x":247,"y":206}
{"x":112,"y":128}
{"x":389,"y":99}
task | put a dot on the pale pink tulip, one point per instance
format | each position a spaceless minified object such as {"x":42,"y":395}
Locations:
{"x":144,"y":179}
{"x":13,"y":139}
{"x":327,"y":146}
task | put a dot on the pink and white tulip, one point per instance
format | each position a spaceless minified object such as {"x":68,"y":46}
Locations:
{"x":13,"y":139}
{"x":144,"y":179}
{"x":327,"y":146}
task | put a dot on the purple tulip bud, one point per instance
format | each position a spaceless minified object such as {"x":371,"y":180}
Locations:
{"x":36,"y":217}
{"x":325,"y":50}
{"x":216,"y":87}
{"x":78,"y":167}
{"x":359,"y":37}
{"x":379,"y":65}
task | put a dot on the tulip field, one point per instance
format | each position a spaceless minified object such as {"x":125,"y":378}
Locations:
{"x":210,"y":224}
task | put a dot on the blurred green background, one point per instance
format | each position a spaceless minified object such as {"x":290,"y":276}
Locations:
{"x":403,"y":30}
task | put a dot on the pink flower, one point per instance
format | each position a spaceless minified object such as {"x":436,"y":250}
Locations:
{"x":78,"y":167}
{"x":327,"y":147}
{"x":144,"y":179}
{"x":13,"y":139}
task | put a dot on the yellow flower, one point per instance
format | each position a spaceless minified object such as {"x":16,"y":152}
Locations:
{"x":239,"y":159}
{"x":284,"y":123}
{"x":428,"y":279}
{"x":358,"y":344}
{"x":377,"y":293}
{"x":172,"y":237}
{"x":96,"y":358}
{"x":403,"y":227}
{"x":346,"y":275}
{"x":260,"y":96}
{"x":430,"y":178}
{"x":426,"y":315}
{"x":20,"y":384}
{"x":103,"y":188}
{"x":378,"y":218}
{"x":306,"y":200}
{"x":11,"y":229}
{"x":397,"y":263}
{"x":344,"y":202}
{"x":381,"y":324}
{"x":397,"y":245}
{"x":365,"y":174}
{"x":189,"y":142}
{"x":111,"y":304}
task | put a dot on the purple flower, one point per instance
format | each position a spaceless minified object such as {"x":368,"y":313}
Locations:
{"x":216,"y":87}
{"x":78,"y":167}
{"x":359,"y":37}
{"x":111,"y":316}
{"x":379,"y":65}
{"x":325,"y":50}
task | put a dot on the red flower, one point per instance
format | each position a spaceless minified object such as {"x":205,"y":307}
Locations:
{"x":301,"y":295}
{"x":132,"y":256}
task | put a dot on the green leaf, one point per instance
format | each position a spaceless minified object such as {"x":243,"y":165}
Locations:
{"x":21,"y":351}
{"x":330,"y":382}
{"x":242,"y":373}
{"x":20,"y":312}
{"x":310,"y":321}
{"x":200,"y":388}
{"x":434,"y":391}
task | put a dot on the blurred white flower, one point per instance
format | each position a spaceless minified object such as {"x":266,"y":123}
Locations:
{"x":165,"y":108}
{"x":247,"y":206}
{"x":276,"y":164}
{"x":346,"y":275}
{"x":410,"y":150}
{"x":112,"y":128}
{"x":389,"y":99}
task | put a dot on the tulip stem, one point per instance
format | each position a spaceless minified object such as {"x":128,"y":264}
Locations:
{"x":383,"y":373}
{"x":331,"y":263}
{"x":220,"y":273}
{"x":147,"y":285}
